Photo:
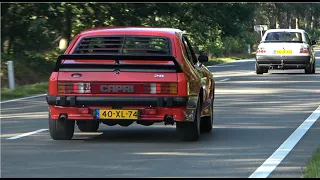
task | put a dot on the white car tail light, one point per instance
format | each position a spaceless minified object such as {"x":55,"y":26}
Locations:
{"x":304,"y":50}
{"x":261,"y":50}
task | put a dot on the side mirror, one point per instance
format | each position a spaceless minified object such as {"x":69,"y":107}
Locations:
{"x":203,"y":59}
{"x":313,"y":42}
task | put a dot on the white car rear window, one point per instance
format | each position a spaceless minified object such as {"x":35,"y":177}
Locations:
{"x":283,"y":37}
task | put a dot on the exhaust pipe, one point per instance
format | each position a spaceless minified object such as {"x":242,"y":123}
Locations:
{"x":63,"y":117}
{"x":168,"y":120}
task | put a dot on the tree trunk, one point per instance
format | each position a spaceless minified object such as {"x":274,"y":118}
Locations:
{"x":68,"y":25}
{"x":315,"y":22}
{"x":272,"y":22}
{"x":297,"y":22}
{"x":10,"y":44}
{"x":4,"y":10}
{"x":289,"y":20}
{"x":312,"y":22}
{"x":280,"y":20}
{"x":2,"y":44}
{"x":306,"y":22}
{"x":99,"y":18}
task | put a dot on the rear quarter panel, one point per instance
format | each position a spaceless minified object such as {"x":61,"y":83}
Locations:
{"x":193,"y":75}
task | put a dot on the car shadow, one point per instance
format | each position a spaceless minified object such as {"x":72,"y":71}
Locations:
{"x":159,"y":134}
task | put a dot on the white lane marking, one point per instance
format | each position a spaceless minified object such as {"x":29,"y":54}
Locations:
{"x":232,"y":75}
{"x":275,"y":159}
{"x":175,"y":153}
{"x":225,"y":80}
{"x":243,"y":60}
{"x":27,"y":134}
{"x":19,"y":99}
{"x":223,"y":66}
{"x":26,"y":115}
{"x":286,"y":71}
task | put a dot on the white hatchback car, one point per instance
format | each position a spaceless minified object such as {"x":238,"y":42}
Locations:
{"x":285,"y":49}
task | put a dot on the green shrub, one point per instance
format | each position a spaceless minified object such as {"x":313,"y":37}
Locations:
{"x":314,"y":34}
{"x":29,"y":68}
{"x":226,"y":46}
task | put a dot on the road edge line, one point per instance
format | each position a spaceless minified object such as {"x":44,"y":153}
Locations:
{"x":220,"y":64}
{"x":23,"y":98}
{"x":27,"y":134}
{"x":275,"y":159}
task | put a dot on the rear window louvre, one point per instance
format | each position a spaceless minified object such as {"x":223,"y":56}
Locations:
{"x":148,"y":45}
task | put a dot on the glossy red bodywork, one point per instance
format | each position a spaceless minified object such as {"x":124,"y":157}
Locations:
{"x":200,"y":80}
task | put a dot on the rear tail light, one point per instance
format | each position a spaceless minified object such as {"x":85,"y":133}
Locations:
{"x":81,"y":88}
{"x":161,"y":88}
{"x":261,"y":50}
{"x":304,"y":50}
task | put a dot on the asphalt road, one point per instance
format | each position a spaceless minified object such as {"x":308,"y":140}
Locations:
{"x":254,"y":115}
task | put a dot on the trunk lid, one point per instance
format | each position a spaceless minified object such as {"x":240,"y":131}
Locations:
{"x":282,"y":48}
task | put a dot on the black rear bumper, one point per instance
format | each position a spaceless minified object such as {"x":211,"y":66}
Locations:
{"x":71,"y":101}
{"x":284,"y":61}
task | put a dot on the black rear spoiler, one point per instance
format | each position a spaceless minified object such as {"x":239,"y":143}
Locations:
{"x":113,"y":57}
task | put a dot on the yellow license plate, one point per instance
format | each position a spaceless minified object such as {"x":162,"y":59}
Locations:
{"x":284,"y":52}
{"x":117,"y":114}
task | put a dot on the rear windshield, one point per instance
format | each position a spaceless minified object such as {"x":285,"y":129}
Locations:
{"x":142,"y":45}
{"x":283,"y":37}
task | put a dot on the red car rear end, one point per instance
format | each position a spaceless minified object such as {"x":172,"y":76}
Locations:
{"x":120,"y":77}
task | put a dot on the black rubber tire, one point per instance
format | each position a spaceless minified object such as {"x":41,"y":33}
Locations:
{"x":265,"y":70}
{"x":61,"y":129}
{"x":314,"y":67}
{"x":207,"y":122}
{"x":190,"y":131}
{"x":309,"y":70}
{"x":88,"y":126}
{"x":258,"y":70}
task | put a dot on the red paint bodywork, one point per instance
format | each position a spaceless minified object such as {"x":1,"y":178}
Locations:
{"x":199,"y":78}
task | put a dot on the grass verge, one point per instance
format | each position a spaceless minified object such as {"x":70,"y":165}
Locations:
{"x":313,"y":168}
{"x":316,"y":47}
{"x":220,"y":60}
{"x":25,"y":90}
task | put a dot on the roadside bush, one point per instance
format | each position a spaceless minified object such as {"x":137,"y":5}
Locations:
{"x":216,"y":48}
{"x":314,"y":34}
{"x":226,"y":46}
{"x":29,"y":68}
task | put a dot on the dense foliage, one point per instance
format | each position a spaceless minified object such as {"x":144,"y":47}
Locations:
{"x":30,"y":32}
